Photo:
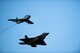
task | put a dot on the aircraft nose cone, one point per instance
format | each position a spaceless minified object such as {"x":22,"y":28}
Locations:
{"x":47,"y":33}
{"x":32,"y":23}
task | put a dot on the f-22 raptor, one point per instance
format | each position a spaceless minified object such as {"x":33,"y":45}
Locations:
{"x":24,"y":19}
{"x":39,"y":40}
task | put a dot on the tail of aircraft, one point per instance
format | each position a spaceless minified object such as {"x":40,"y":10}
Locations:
{"x":17,"y":20}
{"x":26,"y":37}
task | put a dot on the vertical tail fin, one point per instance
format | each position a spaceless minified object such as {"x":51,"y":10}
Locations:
{"x":17,"y":20}
{"x":26,"y":36}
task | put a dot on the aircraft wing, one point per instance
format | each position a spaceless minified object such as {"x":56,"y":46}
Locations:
{"x":41,"y":42}
{"x":25,"y":16}
{"x":29,"y":22}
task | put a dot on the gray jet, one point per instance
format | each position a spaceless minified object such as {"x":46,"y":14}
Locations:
{"x":39,"y":40}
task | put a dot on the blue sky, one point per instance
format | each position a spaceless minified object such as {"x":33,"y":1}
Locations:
{"x":60,"y":18}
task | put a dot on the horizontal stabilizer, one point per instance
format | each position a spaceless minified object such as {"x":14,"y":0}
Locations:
{"x":22,"y":43}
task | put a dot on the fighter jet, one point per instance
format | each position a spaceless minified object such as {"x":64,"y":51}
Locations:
{"x":24,"y":19}
{"x":33,"y":42}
